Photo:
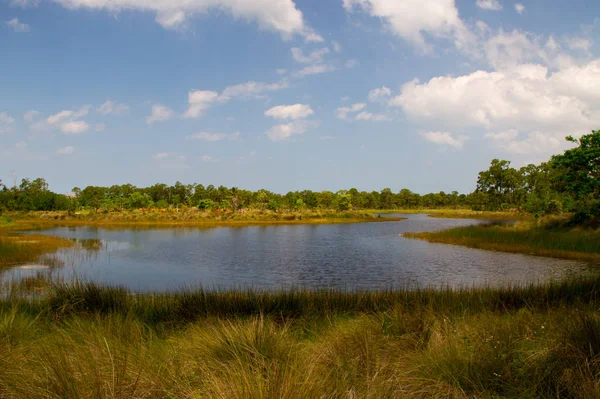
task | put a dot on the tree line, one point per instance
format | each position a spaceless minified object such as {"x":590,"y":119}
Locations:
{"x":568,"y":182}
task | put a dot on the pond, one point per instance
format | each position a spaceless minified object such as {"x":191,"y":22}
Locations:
{"x":349,"y":256}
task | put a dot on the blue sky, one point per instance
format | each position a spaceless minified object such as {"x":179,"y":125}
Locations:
{"x":291,"y":95}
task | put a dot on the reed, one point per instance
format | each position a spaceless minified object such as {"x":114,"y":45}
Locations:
{"x":527,"y":238}
{"x":83,"y":340}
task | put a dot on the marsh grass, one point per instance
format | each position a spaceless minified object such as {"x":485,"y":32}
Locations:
{"x":194,"y":217}
{"x":553,"y":239}
{"x":16,"y":249}
{"x":83,"y":340}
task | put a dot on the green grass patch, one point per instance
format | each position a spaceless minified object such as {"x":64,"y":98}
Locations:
{"x":527,"y":238}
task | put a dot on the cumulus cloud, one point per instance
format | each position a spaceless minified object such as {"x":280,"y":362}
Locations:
{"x":526,"y":97}
{"x":29,"y":116}
{"x":380,"y":94}
{"x":342,"y":112}
{"x":205,"y":136}
{"x":281,"y":16}
{"x":74,"y":127}
{"x":17,"y":25}
{"x":314,"y":70}
{"x":199,"y":101}
{"x":367,"y":116}
{"x":251,"y":89}
{"x":296,"y":111}
{"x":285,"y":131}
{"x":520,"y":8}
{"x":351,"y":63}
{"x":445,"y":139}
{"x":170,"y":160}
{"x":6,"y":123}
{"x":413,"y":20}
{"x":160,"y":113}
{"x":314,"y":57}
{"x":493,"y":5}
{"x":66,"y":121}
{"x":534,"y":142}
{"x":65,"y":150}
{"x":112,"y":108}
{"x":24,"y":3}
{"x":337,"y":47}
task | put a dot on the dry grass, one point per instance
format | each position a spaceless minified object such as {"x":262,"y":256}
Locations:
{"x":542,"y":239}
{"x":194,"y":217}
{"x":531,"y":342}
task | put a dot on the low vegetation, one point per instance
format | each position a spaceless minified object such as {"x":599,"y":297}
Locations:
{"x":83,"y":340}
{"x":547,"y":237}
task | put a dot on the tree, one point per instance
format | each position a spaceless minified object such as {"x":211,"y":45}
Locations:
{"x":577,"y":173}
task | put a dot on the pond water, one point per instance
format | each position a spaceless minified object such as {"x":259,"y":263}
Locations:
{"x":349,"y":256}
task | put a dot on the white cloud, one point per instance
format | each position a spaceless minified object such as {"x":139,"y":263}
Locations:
{"x":162,"y":155}
{"x":414,"y":19}
{"x":281,"y":71}
{"x":326,"y":138}
{"x":342,"y":112}
{"x":337,"y":47}
{"x":280,"y":16}
{"x":314,"y":70}
{"x":445,"y":139}
{"x":286,"y":131}
{"x":380,"y":94}
{"x":24,"y":3}
{"x":535,"y":142}
{"x":314,"y":57}
{"x":65,"y":150}
{"x":29,"y":116}
{"x":18,"y":26}
{"x":296,"y":111}
{"x":205,"y":136}
{"x":6,"y":123}
{"x":520,"y":8}
{"x":367,"y":116}
{"x":251,"y":89}
{"x":67,"y":121}
{"x":112,"y":108}
{"x":100,"y":127}
{"x":199,"y":101}
{"x":208,"y":158}
{"x":493,"y":5}
{"x":160,"y":113}
{"x":528,"y":97}
{"x":579,"y":43}
{"x":351,"y":63}
{"x":74,"y":127}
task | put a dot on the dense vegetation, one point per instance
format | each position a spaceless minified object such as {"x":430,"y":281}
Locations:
{"x":83,"y":341}
{"x":568,"y":182}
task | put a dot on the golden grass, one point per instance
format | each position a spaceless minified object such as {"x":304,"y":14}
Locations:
{"x":534,"y":342}
{"x":18,"y":249}
{"x":524,"y":238}
{"x":192,"y":217}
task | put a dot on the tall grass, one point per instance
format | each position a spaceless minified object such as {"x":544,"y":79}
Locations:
{"x":529,"y":238}
{"x":88,"y":341}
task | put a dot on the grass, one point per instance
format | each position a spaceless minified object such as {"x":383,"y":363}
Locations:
{"x":194,"y":217}
{"x":552,"y":240}
{"x":84,"y":340}
{"x":21,"y":249}
{"x":459,"y":214}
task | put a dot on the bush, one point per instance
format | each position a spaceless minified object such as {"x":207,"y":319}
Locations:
{"x":206,"y":204}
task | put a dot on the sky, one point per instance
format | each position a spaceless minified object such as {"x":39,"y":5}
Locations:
{"x":292,"y":94}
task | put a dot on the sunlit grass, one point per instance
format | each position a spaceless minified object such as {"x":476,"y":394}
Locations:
{"x":527,"y":238}
{"x":84,"y":340}
{"x":21,"y":249}
{"x":194,"y":217}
